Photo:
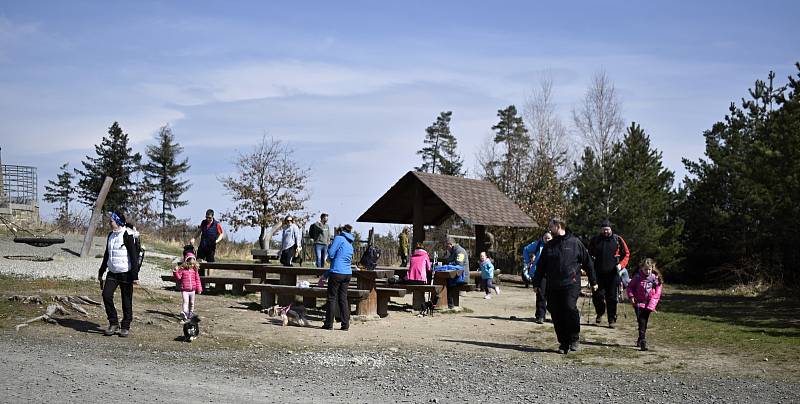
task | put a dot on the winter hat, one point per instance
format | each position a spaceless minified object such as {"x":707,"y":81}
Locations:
{"x":117,"y":218}
{"x":189,"y":255}
{"x":606,"y":223}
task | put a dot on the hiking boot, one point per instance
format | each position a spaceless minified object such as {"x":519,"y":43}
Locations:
{"x":563,"y":349}
{"x":538,"y":320}
{"x":345,"y":328}
{"x":124,"y":332}
{"x":598,"y":319}
{"x":643,"y":345}
{"x":112,"y":329}
{"x":638,"y":343}
{"x":327,"y":326}
{"x":612,"y":324}
{"x":573,"y":346}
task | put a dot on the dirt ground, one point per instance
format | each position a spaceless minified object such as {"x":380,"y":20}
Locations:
{"x":501,"y":324}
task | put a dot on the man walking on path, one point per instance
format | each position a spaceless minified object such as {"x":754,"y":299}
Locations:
{"x":560,"y":264}
{"x":402,"y":249}
{"x":210,"y":233}
{"x":610,"y":254}
{"x":320,"y":232}
{"x":291,"y":241}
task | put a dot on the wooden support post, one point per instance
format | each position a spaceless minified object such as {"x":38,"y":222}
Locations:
{"x":96,"y":214}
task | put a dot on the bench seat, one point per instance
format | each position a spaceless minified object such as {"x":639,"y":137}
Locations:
{"x":268,"y":292}
{"x":237,"y":283}
{"x":386,"y":294}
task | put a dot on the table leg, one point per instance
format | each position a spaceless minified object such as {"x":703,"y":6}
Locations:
{"x":368,"y":306}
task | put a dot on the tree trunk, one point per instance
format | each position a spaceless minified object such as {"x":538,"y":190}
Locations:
{"x":261,"y":241}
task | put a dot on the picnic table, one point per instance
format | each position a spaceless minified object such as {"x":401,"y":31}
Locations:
{"x":365,"y":280}
{"x":440,"y":279}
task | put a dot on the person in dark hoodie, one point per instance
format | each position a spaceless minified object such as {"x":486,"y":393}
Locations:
{"x":120,"y":259}
{"x":340,"y":253}
{"x":560,"y":264}
{"x":610,"y":254}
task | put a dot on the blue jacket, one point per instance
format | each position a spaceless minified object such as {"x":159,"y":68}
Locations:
{"x":532,"y":250}
{"x":341,"y":254}
{"x":487,"y":269}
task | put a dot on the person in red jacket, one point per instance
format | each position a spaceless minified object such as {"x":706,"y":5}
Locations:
{"x":610,"y":254}
{"x":188,"y":281}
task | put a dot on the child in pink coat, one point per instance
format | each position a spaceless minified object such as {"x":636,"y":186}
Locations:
{"x":188,"y":282}
{"x":644,"y":291}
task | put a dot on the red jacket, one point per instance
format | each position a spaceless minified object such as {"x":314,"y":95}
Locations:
{"x":187,"y":279}
{"x":419,"y":266}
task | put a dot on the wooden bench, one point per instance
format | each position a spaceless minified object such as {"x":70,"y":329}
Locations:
{"x":269,"y":292}
{"x":418,"y":292}
{"x":264,"y":255}
{"x":220,"y":282}
{"x":384,"y":295}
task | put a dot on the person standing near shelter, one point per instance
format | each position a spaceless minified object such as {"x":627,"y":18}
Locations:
{"x":457,"y":256}
{"x":340,"y":253}
{"x":210,"y":233}
{"x":120,"y":260}
{"x":530,"y":258}
{"x":291,"y":241}
{"x":610,"y":254}
{"x":320,"y":233}
{"x":560,"y":264}
{"x":402,"y":249}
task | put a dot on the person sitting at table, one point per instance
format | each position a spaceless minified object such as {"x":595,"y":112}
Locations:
{"x":419,"y":266}
{"x":457,"y":256}
{"x":340,"y":253}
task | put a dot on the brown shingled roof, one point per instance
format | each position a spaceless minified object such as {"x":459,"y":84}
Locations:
{"x":476,"y":202}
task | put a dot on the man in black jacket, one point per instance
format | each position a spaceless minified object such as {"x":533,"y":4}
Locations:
{"x":561,"y":263}
{"x":610,"y":254}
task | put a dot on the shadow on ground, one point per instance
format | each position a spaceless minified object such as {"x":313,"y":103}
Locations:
{"x":498,"y":345}
{"x":80,"y":325}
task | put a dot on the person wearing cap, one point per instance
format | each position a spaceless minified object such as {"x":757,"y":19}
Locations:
{"x":291,"y":241}
{"x":610,"y":254}
{"x":210,"y":233}
{"x":188,"y":283}
{"x":119,"y":260}
{"x":560,"y":264}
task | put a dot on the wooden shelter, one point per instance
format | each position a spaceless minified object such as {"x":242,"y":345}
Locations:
{"x":424,"y":199}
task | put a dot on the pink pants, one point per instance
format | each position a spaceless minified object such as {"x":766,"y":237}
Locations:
{"x":188,"y":302}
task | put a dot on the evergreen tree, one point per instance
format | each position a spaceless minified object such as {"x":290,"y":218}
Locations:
{"x":162,"y":172}
{"x":591,"y":200}
{"x":646,"y":201}
{"x":439,"y":154}
{"x":116,"y":160}
{"x":741,"y":207}
{"x":61,"y":191}
{"x":511,"y":133}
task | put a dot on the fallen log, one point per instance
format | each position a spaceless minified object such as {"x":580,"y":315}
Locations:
{"x":47,"y":316}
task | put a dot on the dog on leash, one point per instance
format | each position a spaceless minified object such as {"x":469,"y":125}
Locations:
{"x":291,"y":314}
{"x":191,"y":328}
{"x":429,"y":306}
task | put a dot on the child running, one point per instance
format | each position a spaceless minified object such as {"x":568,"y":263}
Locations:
{"x":644,"y":290}
{"x":188,"y":280}
{"x":487,"y":274}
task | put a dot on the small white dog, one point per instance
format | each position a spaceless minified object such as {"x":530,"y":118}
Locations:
{"x":289,"y":315}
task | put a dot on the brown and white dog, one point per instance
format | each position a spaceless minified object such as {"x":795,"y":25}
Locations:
{"x":294,"y":315}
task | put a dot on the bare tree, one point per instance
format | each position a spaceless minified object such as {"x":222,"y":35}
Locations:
{"x":598,"y":120}
{"x":269,"y":185}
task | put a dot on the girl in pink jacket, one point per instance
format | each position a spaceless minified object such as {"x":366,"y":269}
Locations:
{"x":188,"y":281}
{"x":419,"y":266}
{"x":644,"y":291}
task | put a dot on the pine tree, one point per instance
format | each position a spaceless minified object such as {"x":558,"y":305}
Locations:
{"x":162,"y":172}
{"x":511,"y":133}
{"x":440,"y":154}
{"x":590,"y":198}
{"x":645,"y":201}
{"x":61,"y":191}
{"x":116,"y":160}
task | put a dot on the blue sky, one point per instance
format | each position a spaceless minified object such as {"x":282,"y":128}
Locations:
{"x":351,"y":86}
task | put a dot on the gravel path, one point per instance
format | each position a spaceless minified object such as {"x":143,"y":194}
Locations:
{"x":65,"y":263}
{"x":102,"y":369}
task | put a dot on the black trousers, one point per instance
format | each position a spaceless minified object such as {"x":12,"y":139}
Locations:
{"x":642,"y":316}
{"x":126,"y":291}
{"x":605,"y":297}
{"x":287,"y":255}
{"x":541,"y":300}
{"x":452,"y":292}
{"x":337,"y":297}
{"x":562,"y":304}
{"x":206,"y":252}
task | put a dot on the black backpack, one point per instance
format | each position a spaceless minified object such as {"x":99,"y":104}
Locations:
{"x":370,"y":257}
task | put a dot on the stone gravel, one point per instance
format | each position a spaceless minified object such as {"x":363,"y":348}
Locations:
{"x":65,"y":262}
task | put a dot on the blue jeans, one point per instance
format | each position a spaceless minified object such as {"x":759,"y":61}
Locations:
{"x":320,"y":251}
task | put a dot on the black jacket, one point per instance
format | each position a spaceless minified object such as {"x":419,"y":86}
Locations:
{"x":130,"y":244}
{"x":561,"y":262}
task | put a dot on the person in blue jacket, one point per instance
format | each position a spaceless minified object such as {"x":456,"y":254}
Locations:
{"x":340,"y":253}
{"x":530,"y":259}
